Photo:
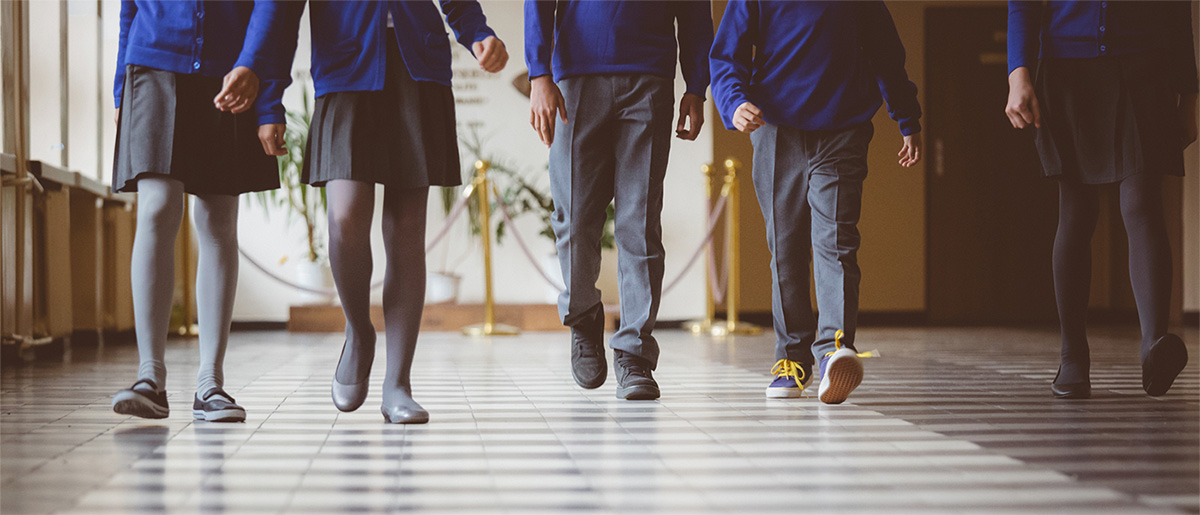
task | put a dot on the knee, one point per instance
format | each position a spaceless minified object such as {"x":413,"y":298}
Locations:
{"x":159,"y":211}
{"x":216,"y":221}
{"x":348,"y":221}
{"x":1141,"y":208}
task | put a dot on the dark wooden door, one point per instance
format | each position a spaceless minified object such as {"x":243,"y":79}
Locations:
{"x":991,"y":214}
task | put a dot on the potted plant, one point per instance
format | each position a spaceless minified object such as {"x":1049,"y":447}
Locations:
{"x":302,"y":202}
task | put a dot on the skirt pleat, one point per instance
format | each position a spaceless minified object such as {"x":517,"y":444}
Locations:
{"x":403,"y":136}
{"x":1105,"y":119}
{"x":169,"y":127}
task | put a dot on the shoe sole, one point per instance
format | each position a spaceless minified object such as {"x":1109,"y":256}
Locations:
{"x":637,"y":393}
{"x":1075,"y":394}
{"x":1163,"y":364}
{"x":224,"y":415}
{"x":784,"y":393}
{"x":422,"y":419}
{"x":138,"y":407}
{"x":841,"y":378}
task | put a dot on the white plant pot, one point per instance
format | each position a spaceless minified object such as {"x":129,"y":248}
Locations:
{"x":553,"y":270}
{"x":441,"y":287}
{"x":316,"y":276}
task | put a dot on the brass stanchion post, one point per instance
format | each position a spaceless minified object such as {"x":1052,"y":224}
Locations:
{"x":489,"y":327}
{"x":732,"y":234}
{"x":187,"y":327}
{"x":705,"y":325}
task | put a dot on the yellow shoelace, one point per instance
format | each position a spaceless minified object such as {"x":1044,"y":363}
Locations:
{"x":788,"y":368}
{"x":837,"y":344}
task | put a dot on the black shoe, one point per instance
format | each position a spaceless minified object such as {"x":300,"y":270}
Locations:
{"x":146,"y":402}
{"x":217,"y":406}
{"x":1082,"y":390}
{"x":634,"y":381}
{"x":1162,"y":364}
{"x":588,"y":365}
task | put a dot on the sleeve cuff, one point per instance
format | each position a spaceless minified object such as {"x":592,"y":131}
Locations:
{"x":538,"y":70}
{"x":271,"y":118}
{"x":910,"y":127}
{"x":701,"y":92}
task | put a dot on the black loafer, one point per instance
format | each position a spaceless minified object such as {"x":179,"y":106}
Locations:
{"x":588,"y":365}
{"x":1082,"y":390}
{"x":634,"y":379}
{"x":1162,"y":364}
{"x":217,"y":406}
{"x":145,"y":402}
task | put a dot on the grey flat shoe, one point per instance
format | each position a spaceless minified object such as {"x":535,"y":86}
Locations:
{"x":404,"y":415}
{"x":348,"y":397}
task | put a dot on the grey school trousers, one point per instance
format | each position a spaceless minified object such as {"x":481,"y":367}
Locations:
{"x":613,"y":149}
{"x":809,"y":187}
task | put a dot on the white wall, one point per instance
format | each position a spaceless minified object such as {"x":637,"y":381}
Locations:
{"x":501,"y":118}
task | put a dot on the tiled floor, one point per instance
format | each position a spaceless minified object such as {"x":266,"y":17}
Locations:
{"x":948,"y":420}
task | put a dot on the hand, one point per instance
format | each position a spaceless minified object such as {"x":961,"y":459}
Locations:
{"x":690,"y":106}
{"x":747,"y":118}
{"x":491,"y":54}
{"x":1187,"y":115}
{"x":239,"y":90}
{"x":271,"y":137}
{"x":117,"y":116}
{"x":1022,"y":108}
{"x":910,"y":153}
{"x":545,"y":100}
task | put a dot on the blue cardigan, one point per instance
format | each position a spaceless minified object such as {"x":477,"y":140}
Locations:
{"x":583,"y":37}
{"x":349,"y":52}
{"x":208,"y":37}
{"x":1085,"y":29}
{"x":812,"y":65}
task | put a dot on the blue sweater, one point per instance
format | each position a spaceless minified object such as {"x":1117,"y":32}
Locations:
{"x":812,"y":65}
{"x":585,"y":37}
{"x":349,"y":49}
{"x":1085,"y":29}
{"x":208,"y":37}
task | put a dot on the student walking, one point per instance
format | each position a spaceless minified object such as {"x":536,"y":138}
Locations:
{"x":384,"y":115}
{"x":602,"y":94}
{"x":188,"y":75}
{"x":804,"y":79}
{"x":1110,"y":90}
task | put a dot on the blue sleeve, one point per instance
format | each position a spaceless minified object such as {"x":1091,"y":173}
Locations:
{"x":467,"y":21}
{"x":276,"y":51}
{"x":732,"y":58}
{"x":1024,"y":33}
{"x":885,"y":54}
{"x":695,"y":35}
{"x":128,"y":11}
{"x":539,"y":36}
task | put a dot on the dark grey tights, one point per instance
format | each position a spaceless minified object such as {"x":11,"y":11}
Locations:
{"x":351,"y":206}
{"x":1149,"y":264}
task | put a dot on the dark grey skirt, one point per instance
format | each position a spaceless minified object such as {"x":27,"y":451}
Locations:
{"x":168,"y":126}
{"x":402,"y":136}
{"x":1105,"y":119}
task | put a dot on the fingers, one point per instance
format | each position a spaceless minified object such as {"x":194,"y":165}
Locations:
{"x":546,"y":128}
{"x":562,"y":109}
{"x":117,"y":116}
{"x":271,"y":137}
{"x":1036,"y":112}
{"x":491,"y":54}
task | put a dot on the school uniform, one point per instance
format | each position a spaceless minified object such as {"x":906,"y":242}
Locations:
{"x":1107,"y":76}
{"x":614,"y":62}
{"x":171,"y":59}
{"x":381,"y":71}
{"x":817,"y":71}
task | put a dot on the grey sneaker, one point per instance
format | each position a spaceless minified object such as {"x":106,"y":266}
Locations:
{"x":143,"y":399}
{"x":588,"y":364}
{"x":634,"y":379}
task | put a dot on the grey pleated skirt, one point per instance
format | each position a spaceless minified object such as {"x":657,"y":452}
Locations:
{"x":1105,"y":119}
{"x":402,"y":136}
{"x":169,"y":127}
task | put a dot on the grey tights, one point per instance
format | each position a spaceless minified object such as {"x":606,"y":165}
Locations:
{"x":351,"y":206}
{"x":160,"y":211}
